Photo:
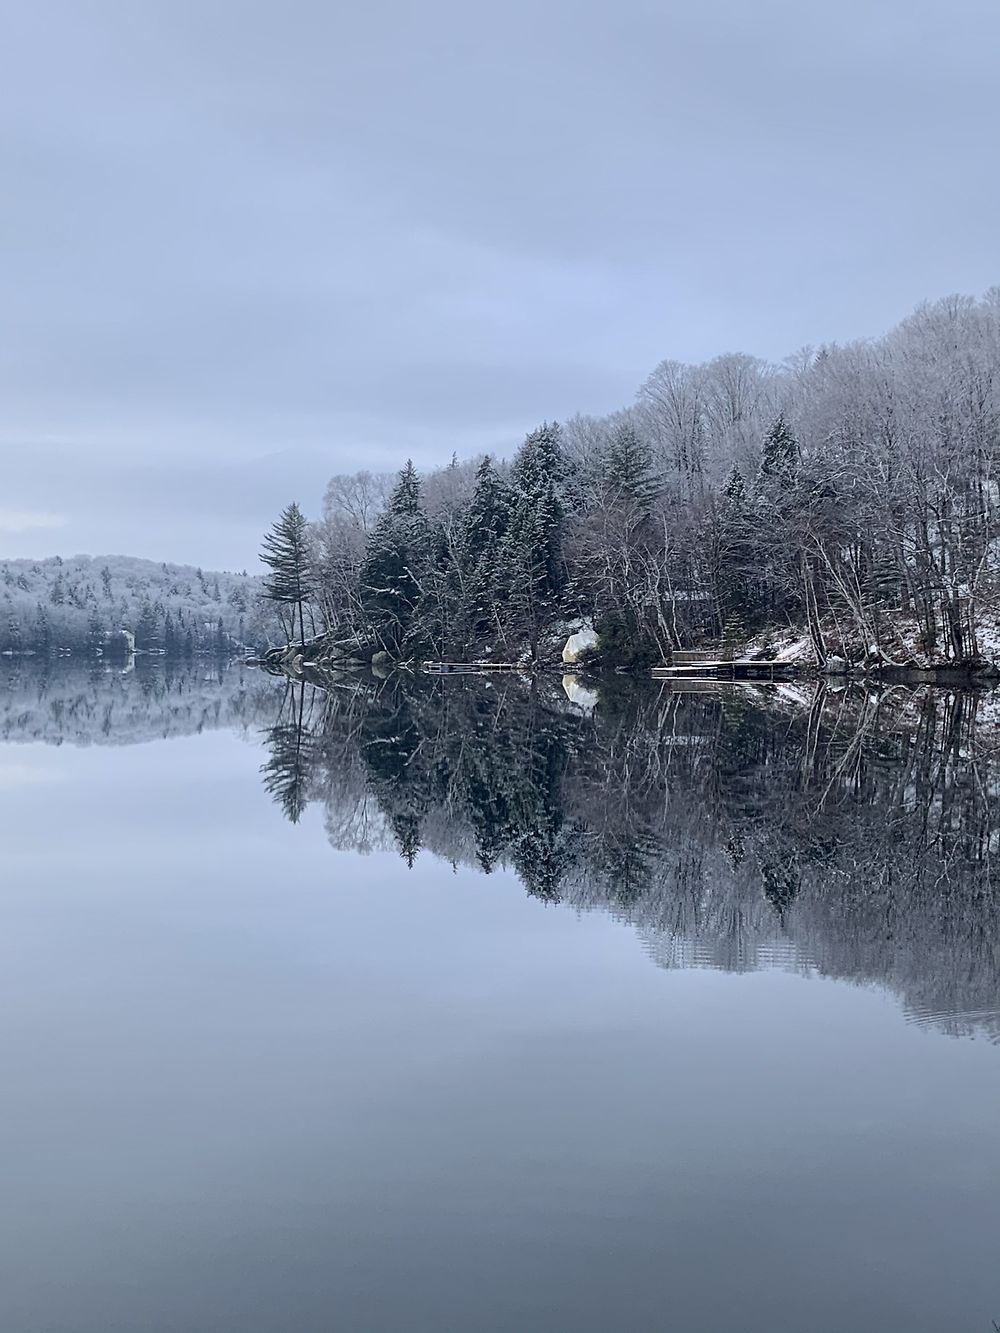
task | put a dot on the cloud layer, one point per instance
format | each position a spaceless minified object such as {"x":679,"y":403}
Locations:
{"x":343,"y":235}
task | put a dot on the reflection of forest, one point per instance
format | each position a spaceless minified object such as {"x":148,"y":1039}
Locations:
{"x":845,"y":839}
{"x":67,"y":702}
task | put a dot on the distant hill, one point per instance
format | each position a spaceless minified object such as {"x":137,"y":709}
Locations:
{"x":82,"y":604}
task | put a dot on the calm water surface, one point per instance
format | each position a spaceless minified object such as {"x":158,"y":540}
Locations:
{"x":449,"y":1006}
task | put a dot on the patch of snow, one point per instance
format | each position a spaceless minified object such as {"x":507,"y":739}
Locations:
{"x":795,"y":650}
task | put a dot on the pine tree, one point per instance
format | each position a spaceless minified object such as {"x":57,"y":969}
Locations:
{"x":734,"y":493}
{"x":779,"y":456}
{"x":147,"y":629}
{"x":738,"y":569}
{"x":775,"y":498}
{"x":43,"y":631}
{"x":480,"y":553}
{"x":286,"y":553}
{"x":170,"y":637}
{"x":629,"y":475}
{"x":437,"y":612}
{"x":95,"y":631}
{"x":532,"y":551}
{"x":397,"y":557}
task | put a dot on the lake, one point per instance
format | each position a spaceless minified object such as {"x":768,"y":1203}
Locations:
{"x":420,"y":1005}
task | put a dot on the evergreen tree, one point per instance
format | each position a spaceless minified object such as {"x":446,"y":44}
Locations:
{"x":738,"y":561}
{"x":533,"y":548}
{"x":481,"y":553}
{"x":437,"y":612}
{"x":286,"y":553}
{"x":43,"y":631}
{"x":95,"y":631}
{"x":170,"y":636}
{"x":629,"y":474}
{"x":396,"y":561}
{"x":775,"y":497}
{"x":734,"y":492}
{"x":779,"y":457}
{"x":146,"y":629}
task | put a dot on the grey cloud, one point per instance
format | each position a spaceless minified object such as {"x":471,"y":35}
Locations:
{"x":235,"y":228}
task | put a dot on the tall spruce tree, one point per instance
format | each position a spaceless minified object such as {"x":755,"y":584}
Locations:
{"x":779,"y":456}
{"x":737,"y":575}
{"x":533,"y":548}
{"x":286,"y":553}
{"x":775,"y":500}
{"x":95,"y":631}
{"x":395,"y":565}
{"x":147,"y":629}
{"x":480,"y":554}
{"x":629,"y":474}
{"x":43,"y":631}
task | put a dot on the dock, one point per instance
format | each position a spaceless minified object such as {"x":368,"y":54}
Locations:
{"x":716,"y":664}
{"x":469,"y":668}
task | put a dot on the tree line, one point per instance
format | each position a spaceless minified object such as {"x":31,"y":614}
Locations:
{"x":105,"y":607}
{"x":850,"y":492}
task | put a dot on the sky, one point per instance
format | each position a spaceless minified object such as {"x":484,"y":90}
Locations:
{"x":245,"y":245}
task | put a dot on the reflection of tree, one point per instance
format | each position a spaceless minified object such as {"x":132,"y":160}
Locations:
{"x":287,"y":770}
{"x":855,"y":837}
{"x":780,"y":880}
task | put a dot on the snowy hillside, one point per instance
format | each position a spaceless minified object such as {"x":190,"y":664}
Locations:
{"x":72,"y":605}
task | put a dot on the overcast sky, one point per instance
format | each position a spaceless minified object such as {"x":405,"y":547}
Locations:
{"x":245,"y":245}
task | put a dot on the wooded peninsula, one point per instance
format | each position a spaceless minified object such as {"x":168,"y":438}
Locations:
{"x":843,"y":505}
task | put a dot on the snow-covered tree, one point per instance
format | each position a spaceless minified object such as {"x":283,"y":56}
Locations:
{"x":287,"y":554}
{"x":395,"y":564}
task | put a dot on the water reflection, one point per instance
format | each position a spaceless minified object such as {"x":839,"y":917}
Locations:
{"x":63,"y":702}
{"x":851,"y":834}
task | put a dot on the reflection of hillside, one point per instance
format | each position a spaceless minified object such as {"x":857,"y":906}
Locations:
{"x":728,"y":833}
{"x":68,"y":703}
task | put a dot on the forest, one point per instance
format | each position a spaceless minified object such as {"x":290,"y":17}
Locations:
{"x":107,"y":606}
{"x":848,"y":496}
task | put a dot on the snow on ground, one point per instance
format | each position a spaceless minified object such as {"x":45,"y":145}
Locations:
{"x":900,"y":640}
{"x":782,"y":646}
{"x":988,"y":635}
